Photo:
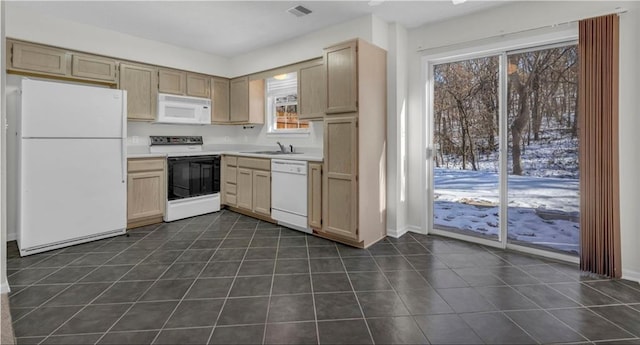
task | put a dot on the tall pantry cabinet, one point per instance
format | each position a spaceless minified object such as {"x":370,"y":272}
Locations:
{"x":354,"y":168}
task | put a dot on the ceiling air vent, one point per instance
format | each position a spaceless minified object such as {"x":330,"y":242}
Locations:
{"x":299,"y":11}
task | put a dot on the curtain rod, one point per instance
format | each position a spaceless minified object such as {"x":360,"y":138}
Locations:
{"x":618,"y":11}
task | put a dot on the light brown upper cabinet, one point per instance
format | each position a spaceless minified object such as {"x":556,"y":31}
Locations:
{"x":198,"y":85}
{"x":353,"y":171}
{"x":141,"y":84}
{"x":246,"y":100}
{"x":45,"y":61}
{"x":341,"y":73}
{"x":183,"y":83}
{"x":93,"y":67}
{"x":34,"y":58}
{"x":220,"y":100}
{"x":311,"y":91}
{"x":172,"y":81}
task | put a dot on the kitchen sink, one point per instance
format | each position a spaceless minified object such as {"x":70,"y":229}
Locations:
{"x":273,"y":153}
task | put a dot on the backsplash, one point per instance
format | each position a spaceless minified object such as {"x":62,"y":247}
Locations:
{"x":138,"y":134}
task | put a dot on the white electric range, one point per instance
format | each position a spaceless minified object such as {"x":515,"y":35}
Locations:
{"x":193,"y":177}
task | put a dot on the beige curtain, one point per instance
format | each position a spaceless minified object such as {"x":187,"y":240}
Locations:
{"x":598,"y":113}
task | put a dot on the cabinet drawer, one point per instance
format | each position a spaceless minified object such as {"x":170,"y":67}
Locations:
{"x":230,"y":188}
{"x":254,"y":163}
{"x":145,"y":164}
{"x":230,"y":174}
{"x":231,"y":160}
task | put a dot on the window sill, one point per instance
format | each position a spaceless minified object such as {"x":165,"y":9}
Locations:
{"x":289,"y":135}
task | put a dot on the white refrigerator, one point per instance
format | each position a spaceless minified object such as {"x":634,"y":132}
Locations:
{"x":72,"y":164}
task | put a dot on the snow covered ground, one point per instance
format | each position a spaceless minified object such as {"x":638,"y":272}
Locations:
{"x":543,"y":211}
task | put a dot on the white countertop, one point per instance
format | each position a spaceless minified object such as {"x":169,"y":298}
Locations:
{"x":309,"y":154}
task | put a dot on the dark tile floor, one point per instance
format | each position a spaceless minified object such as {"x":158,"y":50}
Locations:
{"x":225,"y":278}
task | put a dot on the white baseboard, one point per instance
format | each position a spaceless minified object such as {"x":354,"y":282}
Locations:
{"x":416,"y":229}
{"x":12,"y":236}
{"x":4,"y":286}
{"x":631,"y":275}
{"x":399,"y":232}
{"x":396,"y":233}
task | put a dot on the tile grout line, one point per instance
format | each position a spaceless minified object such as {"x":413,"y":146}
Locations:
{"x":313,"y":294}
{"x":70,"y":284}
{"x":133,"y":303}
{"x":273,"y":273}
{"x":199,"y":273}
{"x":353,"y":290}
{"x":100,"y":294}
{"x":224,"y":303}
{"x":413,"y":317}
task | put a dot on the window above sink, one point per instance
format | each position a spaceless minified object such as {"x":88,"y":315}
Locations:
{"x":282,"y":105}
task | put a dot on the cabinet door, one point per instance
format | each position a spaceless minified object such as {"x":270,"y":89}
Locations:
{"x":171,"y":81}
{"x":93,"y":67}
{"x":198,"y":85}
{"x":239,"y":100}
{"x":262,"y":192}
{"x":245,"y":189}
{"x":220,"y":100}
{"x":38,"y":59}
{"x":340,"y":199}
{"x":311,"y":92}
{"x":145,"y":195}
{"x":141,"y":83}
{"x":341,"y":73}
{"x":314,"y":195}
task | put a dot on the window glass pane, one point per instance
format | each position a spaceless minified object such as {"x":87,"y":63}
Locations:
{"x":466,"y":139}
{"x":282,"y":103}
{"x":543,"y":189}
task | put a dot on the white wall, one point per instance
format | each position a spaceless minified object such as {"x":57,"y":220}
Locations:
{"x":369,"y":28}
{"x":35,"y":27}
{"x":139,"y":133}
{"x":300,"y":48}
{"x":519,"y":17}
{"x":397,"y":77}
{"x":4,"y":286}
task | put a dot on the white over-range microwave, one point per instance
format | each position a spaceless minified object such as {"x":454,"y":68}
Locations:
{"x":183,"y":110}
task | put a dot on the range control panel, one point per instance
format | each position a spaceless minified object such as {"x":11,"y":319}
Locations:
{"x":175,"y":140}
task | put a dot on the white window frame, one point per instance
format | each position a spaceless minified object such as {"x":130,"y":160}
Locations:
{"x":272,"y":129}
{"x":500,"y":47}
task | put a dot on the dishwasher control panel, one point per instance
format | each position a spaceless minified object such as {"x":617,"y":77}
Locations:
{"x":289,"y":166}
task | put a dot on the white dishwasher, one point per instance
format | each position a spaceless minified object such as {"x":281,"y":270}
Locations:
{"x":289,"y":193}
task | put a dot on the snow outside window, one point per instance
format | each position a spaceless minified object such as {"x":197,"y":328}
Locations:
{"x":282,"y":105}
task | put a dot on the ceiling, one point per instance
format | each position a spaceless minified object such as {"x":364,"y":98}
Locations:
{"x":232,"y":28}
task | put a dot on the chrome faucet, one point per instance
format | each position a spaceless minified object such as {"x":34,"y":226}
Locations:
{"x":282,"y":149}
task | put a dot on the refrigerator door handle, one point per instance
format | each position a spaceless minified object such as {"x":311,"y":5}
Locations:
{"x":124,"y":136}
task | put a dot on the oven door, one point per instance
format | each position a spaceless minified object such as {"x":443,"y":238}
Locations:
{"x":193,"y":176}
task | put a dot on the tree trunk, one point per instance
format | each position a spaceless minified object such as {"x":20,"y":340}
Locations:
{"x":519,"y":124}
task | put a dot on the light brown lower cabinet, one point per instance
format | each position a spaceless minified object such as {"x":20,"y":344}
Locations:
{"x":247,"y":184}
{"x":245,"y":188}
{"x":229,"y":180}
{"x":262,"y":192}
{"x":314,"y":195}
{"x":146,"y":191}
{"x":340,"y":192}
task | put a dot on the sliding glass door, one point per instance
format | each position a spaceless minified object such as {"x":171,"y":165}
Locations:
{"x":505,"y":149}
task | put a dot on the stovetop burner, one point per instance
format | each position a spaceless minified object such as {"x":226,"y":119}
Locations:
{"x":175,"y":144}
{"x":175,"y":140}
